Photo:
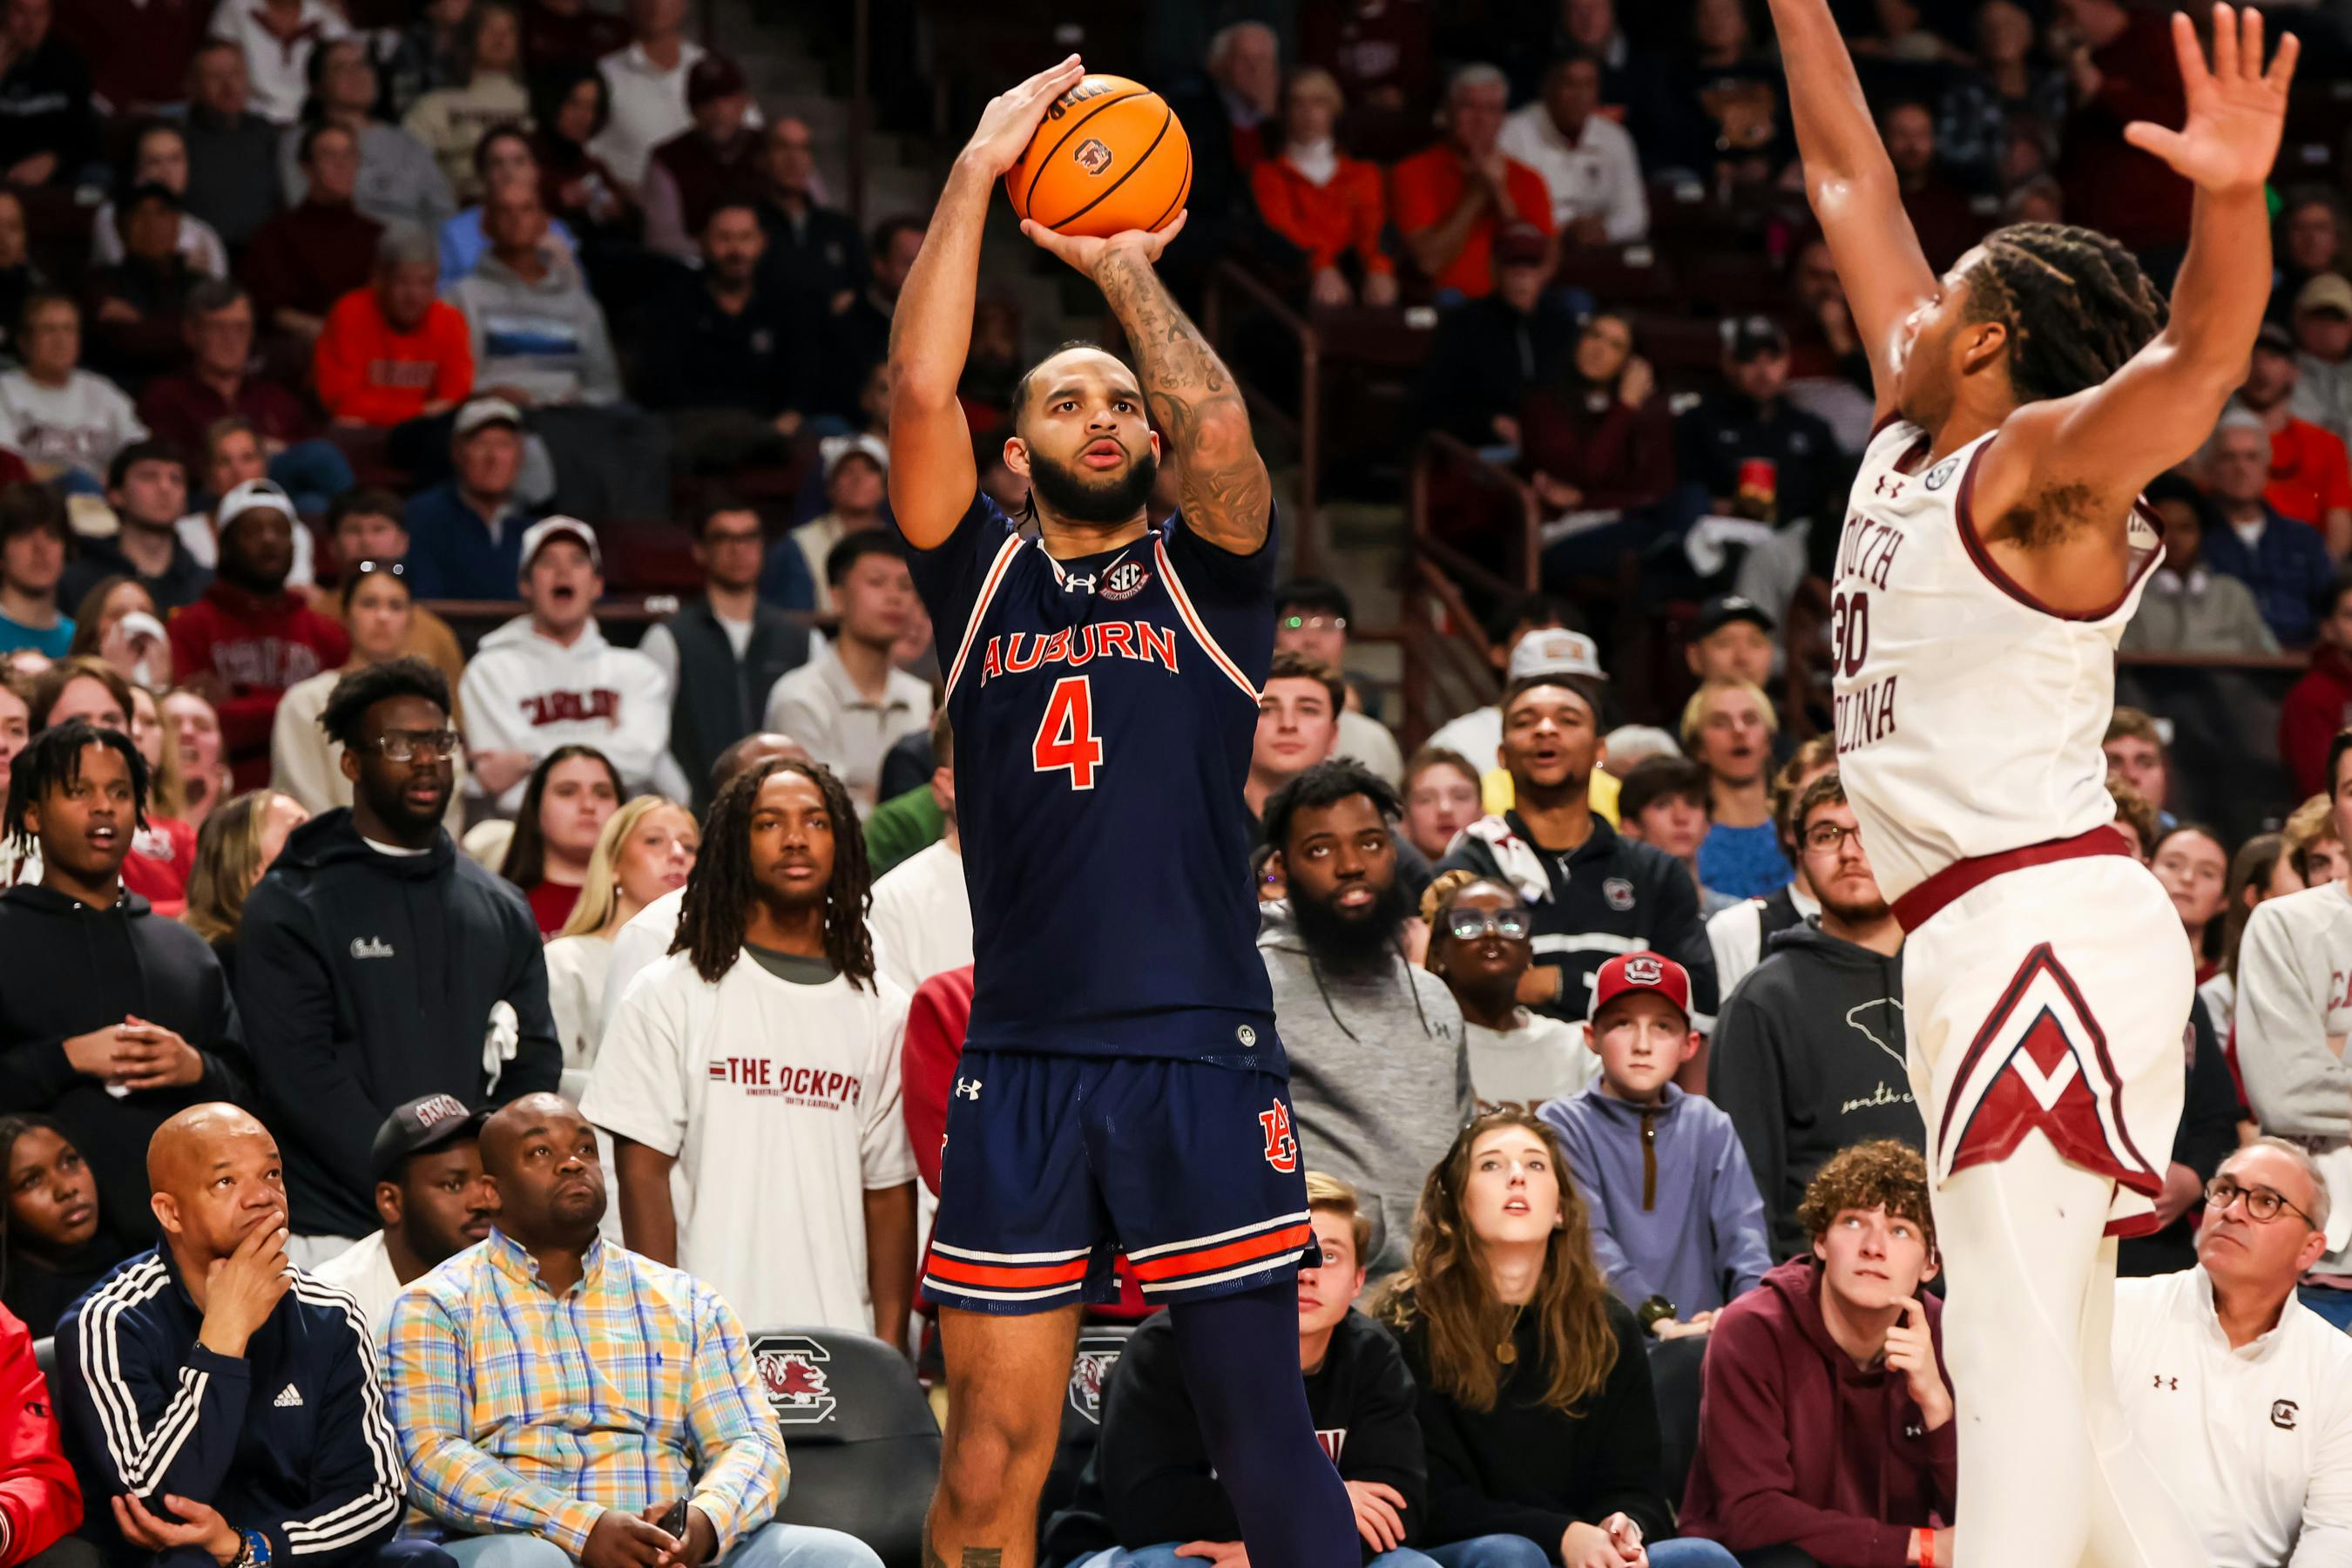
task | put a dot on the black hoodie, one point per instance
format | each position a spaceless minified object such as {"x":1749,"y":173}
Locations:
{"x":369,"y":978}
{"x":1807,"y":1060}
{"x":72,"y":969}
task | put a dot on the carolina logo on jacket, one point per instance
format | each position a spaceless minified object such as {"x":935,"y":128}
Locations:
{"x":573,"y":707}
{"x":265,"y":664}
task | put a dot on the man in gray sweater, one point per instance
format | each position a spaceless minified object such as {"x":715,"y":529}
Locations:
{"x":1380,"y":1080}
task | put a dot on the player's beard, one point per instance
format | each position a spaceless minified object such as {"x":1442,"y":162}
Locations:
{"x":1351,"y":944}
{"x":1065,"y":490}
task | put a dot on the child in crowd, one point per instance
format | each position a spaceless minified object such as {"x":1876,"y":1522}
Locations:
{"x":1481,"y":943}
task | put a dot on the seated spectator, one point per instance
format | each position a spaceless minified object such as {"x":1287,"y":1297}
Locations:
{"x":645,"y":850}
{"x":235,"y":454}
{"x":205,"y":781}
{"x":118,"y":625}
{"x":1441,"y":799}
{"x":2316,"y":705}
{"x":854,"y":469}
{"x":1677,"y":1226}
{"x":1231,"y":104}
{"x":107,"y":1075}
{"x":159,"y":156}
{"x":1327,"y":204}
{"x":816,"y":260}
{"x":1586,"y":159}
{"x":506,"y":155}
{"x":829,"y":1177}
{"x":1730,"y":118}
{"x":49,"y":126}
{"x":135,"y":304}
{"x":373,"y":975}
{"x":1946,"y":218}
{"x":1808,"y":1057}
{"x":2314,"y":236}
{"x":1488,"y":353}
{"x":276,"y":40}
{"x":2310,"y":478}
{"x":1298,"y":714}
{"x":856,"y":337}
{"x":391,"y":353}
{"x":466,"y":533}
{"x":849,"y":703}
{"x":1825,"y":1428}
{"x":2250,"y":1497}
{"x":570,"y":794}
{"x":2283,"y":561}
{"x":238,"y":844}
{"x":232,"y":152}
{"x":709,"y":162}
{"x":138,"y":53}
{"x":2323,"y":343}
{"x":1480,"y":944}
{"x":163,"y":855}
{"x":1728,"y":729}
{"x":1545,"y":1448}
{"x":162,"y":1372}
{"x":1379,"y":1078}
{"x":433,"y":1199}
{"x":63,"y":420}
{"x":399,"y":183}
{"x":582,"y":195}
{"x":449,"y":120}
{"x":1748,"y":447}
{"x":2187,"y":608}
{"x":724,"y":653}
{"x":1662,"y":801}
{"x":249,"y":638}
{"x":646,"y":82}
{"x":1597,"y":441}
{"x":313,"y":254}
{"x":40,"y":1497}
{"x":426,"y":55}
{"x":1739,"y":935}
{"x":1311,"y":617}
{"x":222,"y":383}
{"x":55,"y":1249}
{"x":1515,"y":652}
{"x":368,"y":525}
{"x":2192,"y":863}
{"x":1384,"y":59}
{"x":32,"y":563}
{"x":2259,"y":872}
{"x":1450,"y":200}
{"x":718,"y":354}
{"x":486,"y":1399}
{"x":1731,"y":640}
{"x":922,"y":910}
{"x":559,"y":35}
{"x":2136,"y":757}
{"x":2121,"y":68}
{"x":1150,"y":1485}
{"x":548,"y":678}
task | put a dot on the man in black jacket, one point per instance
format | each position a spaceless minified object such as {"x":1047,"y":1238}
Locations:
{"x":1149,"y":1487}
{"x":112,"y":1017}
{"x":1748,"y":444}
{"x":379,"y":964}
{"x":718,"y":354}
{"x":223,"y":1400}
{"x":1808,"y":1058}
{"x":1487,"y":352}
{"x":723,"y":652}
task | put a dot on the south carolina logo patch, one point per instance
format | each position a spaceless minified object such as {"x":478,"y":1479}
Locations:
{"x":1093,"y":156}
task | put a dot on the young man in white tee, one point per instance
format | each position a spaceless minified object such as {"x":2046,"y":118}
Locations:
{"x":922,"y":911}
{"x":761,"y":1057}
{"x":434,"y":1202}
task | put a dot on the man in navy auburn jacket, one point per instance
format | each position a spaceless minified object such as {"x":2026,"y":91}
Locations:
{"x":226,"y":1402}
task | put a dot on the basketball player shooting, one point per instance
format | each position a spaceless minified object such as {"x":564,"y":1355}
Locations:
{"x":1122,"y":1087}
{"x":1993,"y":550}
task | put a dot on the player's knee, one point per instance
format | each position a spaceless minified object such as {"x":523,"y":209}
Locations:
{"x":994,"y":1459}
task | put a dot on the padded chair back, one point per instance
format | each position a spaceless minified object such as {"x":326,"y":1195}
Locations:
{"x":44,"y":1355}
{"x":1100,"y":1347}
{"x":1675,"y":1367}
{"x":864,"y":1448}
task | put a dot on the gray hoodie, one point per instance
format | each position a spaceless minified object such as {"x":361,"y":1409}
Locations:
{"x":1379,"y":1082}
{"x":547,"y":338}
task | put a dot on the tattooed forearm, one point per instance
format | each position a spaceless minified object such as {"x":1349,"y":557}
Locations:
{"x":1227,"y":496}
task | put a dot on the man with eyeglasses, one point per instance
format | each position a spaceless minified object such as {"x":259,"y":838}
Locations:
{"x":379,"y":965}
{"x":1312,"y":616}
{"x":1808,"y":1056}
{"x":2238,"y":1392}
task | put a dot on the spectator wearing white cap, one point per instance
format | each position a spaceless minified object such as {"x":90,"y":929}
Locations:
{"x":2323,"y":340}
{"x":855,"y":467}
{"x":432,"y":1196}
{"x":466,"y":533}
{"x":1547,"y":648}
{"x":848,"y":704}
{"x":549,"y":679}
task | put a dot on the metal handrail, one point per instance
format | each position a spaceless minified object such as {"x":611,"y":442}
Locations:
{"x":1456,"y":450}
{"x":1308,"y":422}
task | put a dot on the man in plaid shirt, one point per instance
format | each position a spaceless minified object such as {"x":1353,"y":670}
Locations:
{"x":521,"y":1372}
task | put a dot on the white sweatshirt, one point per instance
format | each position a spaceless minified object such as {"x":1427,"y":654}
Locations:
{"x":2294,"y":1009}
{"x":526,"y":693}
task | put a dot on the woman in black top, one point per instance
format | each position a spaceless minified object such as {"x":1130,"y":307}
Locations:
{"x":51,"y":1248}
{"x":1535,"y":1393}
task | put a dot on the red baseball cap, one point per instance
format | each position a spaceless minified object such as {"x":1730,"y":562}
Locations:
{"x":1640,"y":972}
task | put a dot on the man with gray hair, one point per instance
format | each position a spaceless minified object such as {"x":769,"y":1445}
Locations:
{"x":1452,"y":198}
{"x":2282,"y":561}
{"x":1231,"y":111}
{"x":2239,"y":1393}
{"x":391,"y":353}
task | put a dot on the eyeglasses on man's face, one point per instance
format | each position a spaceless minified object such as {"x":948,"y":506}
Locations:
{"x":1315,"y":623}
{"x":408,"y":745}
{"x":1829,"y":838}
{"x":2263,"y":1206}
{"x":1511,"y":924}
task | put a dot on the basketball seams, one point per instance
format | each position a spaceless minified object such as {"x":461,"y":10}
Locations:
{"x":1100,"y":196}
{"x":1183,"y":189}
{"x":1039,"y":171}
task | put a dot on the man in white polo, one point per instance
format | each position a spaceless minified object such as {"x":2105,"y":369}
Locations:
{"x":2239,"y":1394}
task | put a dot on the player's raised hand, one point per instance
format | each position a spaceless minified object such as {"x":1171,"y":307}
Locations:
{"x":1087,"y":254}
{"x":2236,"y":108}
{"x":1013,"y":116}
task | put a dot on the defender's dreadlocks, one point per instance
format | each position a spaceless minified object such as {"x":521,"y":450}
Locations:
{"x":719,"y":892}
{"x":53,"y":762}
{"x":2075,"y":302}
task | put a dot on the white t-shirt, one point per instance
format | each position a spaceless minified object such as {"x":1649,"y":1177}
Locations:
{"x":278,"y":71}
{"x":640,"y":944}
{"x":1538,"y":1059}
{"x":781,"y":1104}
{"x":2256,"y":1443}
{"x":364,"y":1269}
{"x":921,"y":918}
{"x":576,"y":967}
{"x":79,"y":425}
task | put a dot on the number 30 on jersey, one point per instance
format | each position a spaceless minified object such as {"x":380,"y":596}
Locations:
{"x":1067,"y":741}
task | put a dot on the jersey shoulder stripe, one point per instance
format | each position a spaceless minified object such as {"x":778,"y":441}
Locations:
{"x":2145,"y":543}
{"x":1005,"y":554}
{"x":1198,"y":628}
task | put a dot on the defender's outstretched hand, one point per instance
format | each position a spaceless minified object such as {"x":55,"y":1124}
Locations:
{"x":1013,"y":116}
{"x":2236,"y":108}
{"x":1085,"y":252}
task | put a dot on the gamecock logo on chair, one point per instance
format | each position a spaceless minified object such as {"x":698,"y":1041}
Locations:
{"x":1088,"y":1374}
{"x":792,"y":1374}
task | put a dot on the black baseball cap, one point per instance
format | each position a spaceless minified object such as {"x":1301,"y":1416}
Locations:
{"x":1746,"y":337}
{"x":1725,"y":608}
{"x":426,"y":1123}
{"x":2275,"y":338}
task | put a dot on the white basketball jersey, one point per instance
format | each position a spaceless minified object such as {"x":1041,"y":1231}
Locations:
{"x":1968,"y":717}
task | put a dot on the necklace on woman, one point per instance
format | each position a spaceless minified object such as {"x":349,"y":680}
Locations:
{"x":1507,"y":1352}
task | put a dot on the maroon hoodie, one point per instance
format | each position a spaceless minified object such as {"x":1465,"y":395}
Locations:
{"x":1797,"y":1446}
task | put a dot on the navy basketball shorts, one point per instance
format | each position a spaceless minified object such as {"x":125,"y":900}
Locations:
{"x":1054,"y":1165}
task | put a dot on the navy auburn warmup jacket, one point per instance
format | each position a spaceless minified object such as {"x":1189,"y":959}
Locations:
{"x":290,"y":1440}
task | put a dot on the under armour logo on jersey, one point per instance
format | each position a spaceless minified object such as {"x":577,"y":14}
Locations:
{"x":968,"y":1087}
{"x":371,"y":947}
{"x":2159,"y":1381}
{"x":288,"y":1398}
{"x":1073,"y":584}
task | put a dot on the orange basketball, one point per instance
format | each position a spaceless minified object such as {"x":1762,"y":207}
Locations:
{"x":1110,"y":155}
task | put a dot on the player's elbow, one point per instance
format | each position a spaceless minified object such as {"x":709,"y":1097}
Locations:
{"x":1219,"y":438}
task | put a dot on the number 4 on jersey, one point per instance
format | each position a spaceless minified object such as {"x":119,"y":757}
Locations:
{"x":1065,"y":735}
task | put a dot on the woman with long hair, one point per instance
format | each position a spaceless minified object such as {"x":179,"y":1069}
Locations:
{"x":647,"y":849}
{"x":236,"y":847}
{"x":138,"y":650}
{"x":2193,"y":864}
{"x":570,"y":106}
{"x":1535,"y":1387}
{"x":205,"y":779}
{"x":571,"y":793}
{"x":52,"y":1247}
{"x":2259,"y":872}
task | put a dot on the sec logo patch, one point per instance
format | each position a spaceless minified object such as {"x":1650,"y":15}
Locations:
{"x":1126,"y":580}
{"x":1941,"y":474}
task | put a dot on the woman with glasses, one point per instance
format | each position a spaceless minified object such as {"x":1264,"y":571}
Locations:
{"x":1481,"y":941}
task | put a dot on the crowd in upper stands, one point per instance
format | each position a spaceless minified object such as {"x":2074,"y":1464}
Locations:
{"x":422,"y":1108}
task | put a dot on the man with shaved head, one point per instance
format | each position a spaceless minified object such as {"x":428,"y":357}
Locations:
{"x":224,"y":1401}
{"x":487,"y":1357}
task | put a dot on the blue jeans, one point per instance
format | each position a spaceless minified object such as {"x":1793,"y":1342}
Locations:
{"x":313,"y":473}
{"x":1165,"y":1556}
{"x":1518,"y":1552}
{"x":770,"y":1546}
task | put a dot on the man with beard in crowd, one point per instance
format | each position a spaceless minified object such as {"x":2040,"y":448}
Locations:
{"x":1380,"y":1080}
{"x":434,"y":1202}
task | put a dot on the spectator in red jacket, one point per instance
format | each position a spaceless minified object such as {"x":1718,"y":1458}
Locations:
{"x":391,"y":352}
{"x":2319,"y":704}
{"x":251,"y":637}
{"x":41,"y":1501}
{"x":2120,"y":67}
{"x":1322,"y":201}
{"x":1450,"y":199}
{"x":1826,"y":1423}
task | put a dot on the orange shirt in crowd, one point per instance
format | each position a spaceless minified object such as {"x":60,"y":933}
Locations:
{"x":1427,"y":186}
{"x":367,"y":371}
{"x":1325,"y":221}
{"x":2310,"y":476}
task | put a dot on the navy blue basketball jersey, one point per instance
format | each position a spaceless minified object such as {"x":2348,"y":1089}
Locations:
{"x":1104,"y":711}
